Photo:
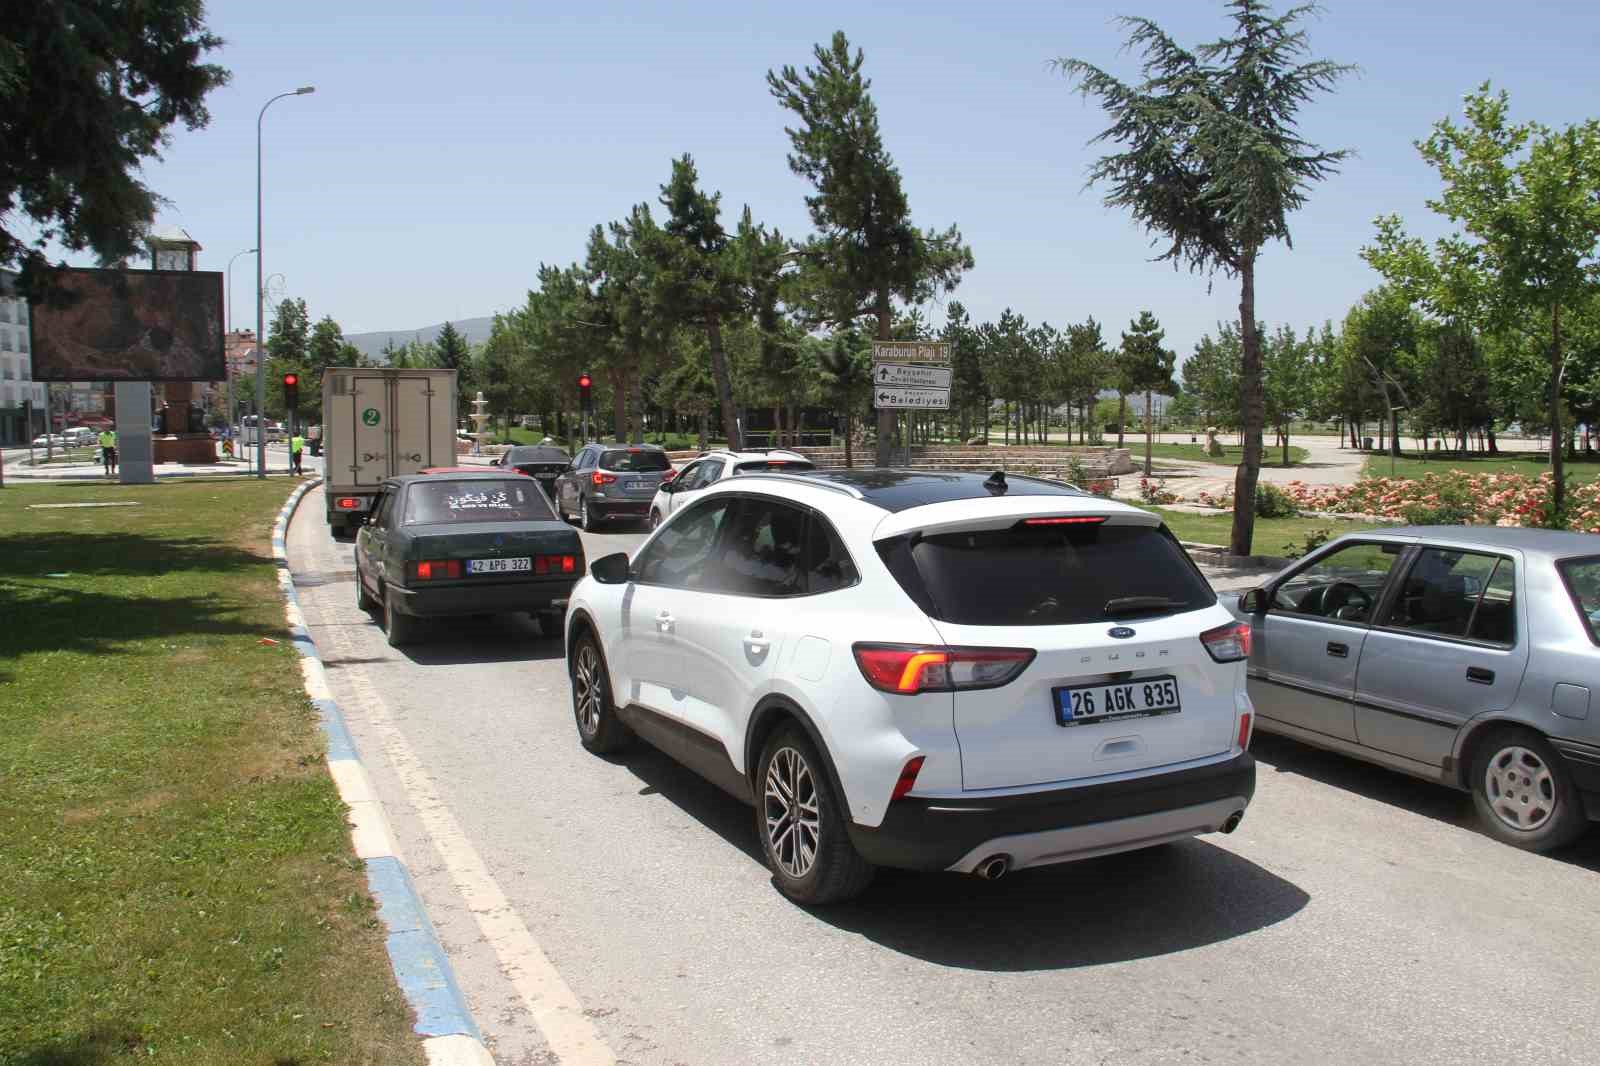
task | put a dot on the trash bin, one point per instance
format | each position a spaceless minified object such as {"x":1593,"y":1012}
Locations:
{"x":1366,"y":444}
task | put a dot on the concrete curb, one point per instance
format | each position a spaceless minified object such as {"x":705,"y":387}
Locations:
{"x":450,"y":1036}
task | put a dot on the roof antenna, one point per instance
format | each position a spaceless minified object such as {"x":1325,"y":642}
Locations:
{"x":996,"y":482}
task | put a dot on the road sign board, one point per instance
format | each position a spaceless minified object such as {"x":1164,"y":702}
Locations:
{"x":910,"y":352}
{"x":911,"y":399}
{"x":917,"y":375}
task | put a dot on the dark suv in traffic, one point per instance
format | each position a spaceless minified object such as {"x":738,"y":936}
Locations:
{"x":611,"y":481}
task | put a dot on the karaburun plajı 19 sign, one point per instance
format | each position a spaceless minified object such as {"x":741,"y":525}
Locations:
{"x":911,"y":375}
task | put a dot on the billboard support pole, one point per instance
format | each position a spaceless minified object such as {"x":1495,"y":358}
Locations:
{"x":135,"y":448}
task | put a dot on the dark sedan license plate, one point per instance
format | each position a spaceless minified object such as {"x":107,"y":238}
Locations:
{"x":1082,"y":704}
{"x":499,"y":566}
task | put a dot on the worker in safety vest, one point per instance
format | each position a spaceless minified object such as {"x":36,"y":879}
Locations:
{"x":108,"y":450}
{"x":297,"y":447}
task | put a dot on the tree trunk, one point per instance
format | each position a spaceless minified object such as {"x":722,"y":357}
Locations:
{"x":1394,"y":432}
{"x":1286,"y":445}
{"x":885,"y":415}
{"x":719,"y":373}
{"x":1122,"y":415}
{"x":636,"y":398}
{"x":1252,"y":413}
{"x":1147,"y":424}
{"x":1558,"y":487}
{"x":849,"y":431}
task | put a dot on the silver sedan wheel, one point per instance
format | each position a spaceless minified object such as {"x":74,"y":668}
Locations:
{"x":586,"y":689}
{"x":1520,"y":788}
{"x":794,"y":823}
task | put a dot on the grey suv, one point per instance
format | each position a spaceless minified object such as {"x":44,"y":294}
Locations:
{"x":610,"y":481}
{"x":1464,"y":655}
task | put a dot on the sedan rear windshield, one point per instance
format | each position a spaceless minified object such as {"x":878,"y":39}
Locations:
{"x":758,"y":466}
{"x":477,"y":500}
{"x":641,"y":460}
{"x":1583,"y":582}
{"x":1047,"y":575}
{"x":535,"y":454}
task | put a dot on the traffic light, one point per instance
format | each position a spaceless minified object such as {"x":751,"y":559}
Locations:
{"x":291,"y":391}
{"x":585,"y":382}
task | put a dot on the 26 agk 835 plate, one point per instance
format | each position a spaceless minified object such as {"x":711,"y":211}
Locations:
{"x":1082,"y":704}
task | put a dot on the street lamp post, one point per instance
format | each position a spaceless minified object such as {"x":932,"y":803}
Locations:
{"x":261,"y":330}
{"x":228,"y":363}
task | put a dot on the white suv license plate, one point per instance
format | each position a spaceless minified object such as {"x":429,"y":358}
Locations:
{"x":1083,"y":704}
{"x":498,"y":566}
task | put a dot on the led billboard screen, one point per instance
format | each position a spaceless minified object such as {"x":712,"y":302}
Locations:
{"x":130,"y":325}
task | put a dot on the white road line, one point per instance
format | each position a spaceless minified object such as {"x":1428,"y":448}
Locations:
{"x":550,"y":1002}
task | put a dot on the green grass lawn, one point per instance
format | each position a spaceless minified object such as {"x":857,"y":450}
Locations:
{"x":178,"y":880}
{"x":1273,"y":536}
{"x":1532,"y":464}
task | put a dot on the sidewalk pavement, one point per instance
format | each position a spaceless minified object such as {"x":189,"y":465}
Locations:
{"x":17,"y":468}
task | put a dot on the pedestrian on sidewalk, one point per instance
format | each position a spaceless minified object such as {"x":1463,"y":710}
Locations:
{"x":108,"y":450}
{"x":297,"y":447}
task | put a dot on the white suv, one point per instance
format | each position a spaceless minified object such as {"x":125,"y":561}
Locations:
{"x":676,"y":492}
{"x":929,"y":671}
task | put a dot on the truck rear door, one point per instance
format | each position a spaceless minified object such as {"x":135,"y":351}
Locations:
{"x":370,"y":426}
{"x":418,"y":408}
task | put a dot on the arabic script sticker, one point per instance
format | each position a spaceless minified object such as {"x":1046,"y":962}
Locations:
{"x":370,"y":416}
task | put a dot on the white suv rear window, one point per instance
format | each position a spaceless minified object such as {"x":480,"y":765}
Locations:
{"x":1047,"y":575}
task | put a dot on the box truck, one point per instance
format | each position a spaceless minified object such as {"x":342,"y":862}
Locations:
{"x":377,"y":423}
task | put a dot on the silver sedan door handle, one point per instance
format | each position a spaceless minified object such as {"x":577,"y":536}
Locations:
{"x":665,"y":622}
{"x":756,"y":643}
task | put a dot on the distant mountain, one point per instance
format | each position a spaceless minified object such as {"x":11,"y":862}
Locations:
{"x":475,"y":330}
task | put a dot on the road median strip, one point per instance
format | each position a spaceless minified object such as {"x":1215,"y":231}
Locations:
{"x":450,"y":1035}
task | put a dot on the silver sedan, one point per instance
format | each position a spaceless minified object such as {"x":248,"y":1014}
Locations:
{"x":1462,"y":654}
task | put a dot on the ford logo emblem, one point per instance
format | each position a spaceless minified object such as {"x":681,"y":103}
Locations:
{"x":1120,"y":632}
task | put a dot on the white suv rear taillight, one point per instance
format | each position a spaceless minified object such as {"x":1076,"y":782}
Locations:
{"x":1229,"y":643}
{"x":906,"y":669}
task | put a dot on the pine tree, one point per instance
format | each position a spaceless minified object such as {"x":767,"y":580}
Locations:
{"x":866,"y":253}
{"x":1213,"y":164}
{"x":1145,"y":366}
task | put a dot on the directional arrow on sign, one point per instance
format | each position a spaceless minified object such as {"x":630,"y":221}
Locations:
{"x":912,"y":376}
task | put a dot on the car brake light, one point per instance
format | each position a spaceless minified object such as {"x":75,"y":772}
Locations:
{"x":602,"y":479}
{"x":348,"y":503}
{"x":908,"y":669}
{"x":433,"y":569}
{"x":1066,"y":520}
{"x":1229,"y":643}
{"x":908,"y":777}
{"x":1244,"y":731}
{"x":555,"y":564}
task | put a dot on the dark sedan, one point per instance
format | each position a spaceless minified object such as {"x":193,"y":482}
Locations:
{"x":542,"y":461}
{"x":464,"y":543}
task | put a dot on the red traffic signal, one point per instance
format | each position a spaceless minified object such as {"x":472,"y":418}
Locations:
{"x":291,"y":390}
{"x":291,"y":380}
{"x":584,"y":384}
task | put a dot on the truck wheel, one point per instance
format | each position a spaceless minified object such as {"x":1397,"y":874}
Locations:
{"x":401,"y":629}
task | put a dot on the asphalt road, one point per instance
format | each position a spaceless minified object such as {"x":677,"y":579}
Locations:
{"x":604,"y":910}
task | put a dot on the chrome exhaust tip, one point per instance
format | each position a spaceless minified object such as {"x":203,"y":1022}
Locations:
{"x":1233,"y":821}
{"x":993,"y":868}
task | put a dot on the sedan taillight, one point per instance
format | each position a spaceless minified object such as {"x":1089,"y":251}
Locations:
{"x":1229,"y":643}
{"x":555,"y":564}
{"x":434,"y":569}
{"x":598,"y":478}
{"x":906,"y":669}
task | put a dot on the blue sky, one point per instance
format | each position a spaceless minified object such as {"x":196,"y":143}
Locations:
{"x":452,"y":147}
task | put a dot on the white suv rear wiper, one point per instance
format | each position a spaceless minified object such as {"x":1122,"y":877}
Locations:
{"x":1140,"y":604}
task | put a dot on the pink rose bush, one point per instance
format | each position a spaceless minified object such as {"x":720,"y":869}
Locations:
{"x":1483,"y":499}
